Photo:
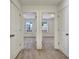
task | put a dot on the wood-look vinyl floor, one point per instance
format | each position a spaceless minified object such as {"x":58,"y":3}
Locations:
{"x":41,"y":54}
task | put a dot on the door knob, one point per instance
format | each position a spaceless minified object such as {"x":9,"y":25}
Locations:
{"x":12,"y":35}
{"x":67,"y":34}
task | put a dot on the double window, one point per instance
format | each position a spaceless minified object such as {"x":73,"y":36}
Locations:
{"x":29,"y":26}
{"x":30,"y":18}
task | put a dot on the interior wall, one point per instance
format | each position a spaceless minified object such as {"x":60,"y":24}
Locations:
{"x":16,"y":42}
{"x":63,"y":26}
{"x":53,"y":29}
{"x":18,"y":27}
{"x":41,"y":9}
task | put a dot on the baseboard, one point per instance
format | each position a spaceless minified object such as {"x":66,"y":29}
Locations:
{"x":20,"y":52}
{"x":39,"y":49}
{"x":62,"y":53}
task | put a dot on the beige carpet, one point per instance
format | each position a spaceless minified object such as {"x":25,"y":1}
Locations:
{"x":41,"y":54}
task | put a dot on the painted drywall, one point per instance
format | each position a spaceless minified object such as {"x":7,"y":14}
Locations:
{"x":63,"y":23}
{"x":52,"y":24}
{"x":41,"y":9}
{"x":16,"y":42}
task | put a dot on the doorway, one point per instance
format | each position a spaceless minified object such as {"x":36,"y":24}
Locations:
{"x":30,"y":29}
{"x":48,"y":30}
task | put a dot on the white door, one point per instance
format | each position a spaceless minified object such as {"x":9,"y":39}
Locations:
{"x":12,"y":31}
{"x":63,"y":31}
{"x":15,"y":31}
{"x":66,"y":31}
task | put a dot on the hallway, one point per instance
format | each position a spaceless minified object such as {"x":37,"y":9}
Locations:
{"x":41,"y":54}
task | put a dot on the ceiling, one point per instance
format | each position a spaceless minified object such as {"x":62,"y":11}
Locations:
{"x":39,"y":2}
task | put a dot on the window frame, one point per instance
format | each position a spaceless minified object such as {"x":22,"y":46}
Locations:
{"x":25,"y":28}
{"x":45,"y":30}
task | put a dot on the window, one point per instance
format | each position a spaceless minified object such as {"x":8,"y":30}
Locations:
{"x":29,"y":18}
{"x":28,"y":26}
{"x":46,"y":17}
{"x":44,"y":26}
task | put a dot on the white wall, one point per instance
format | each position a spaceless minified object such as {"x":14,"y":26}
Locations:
{"x":52,"y":24}
{"x":16,"y":43}
{"x":63,"y":23}
{"x":18,"y":25}
{"x":41,"y":9}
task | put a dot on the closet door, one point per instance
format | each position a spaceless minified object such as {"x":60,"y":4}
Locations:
{"x":15,"y":31}
{"x":48,"y":30}
{"x":63,"y":30}
{"x":12,"y":31}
